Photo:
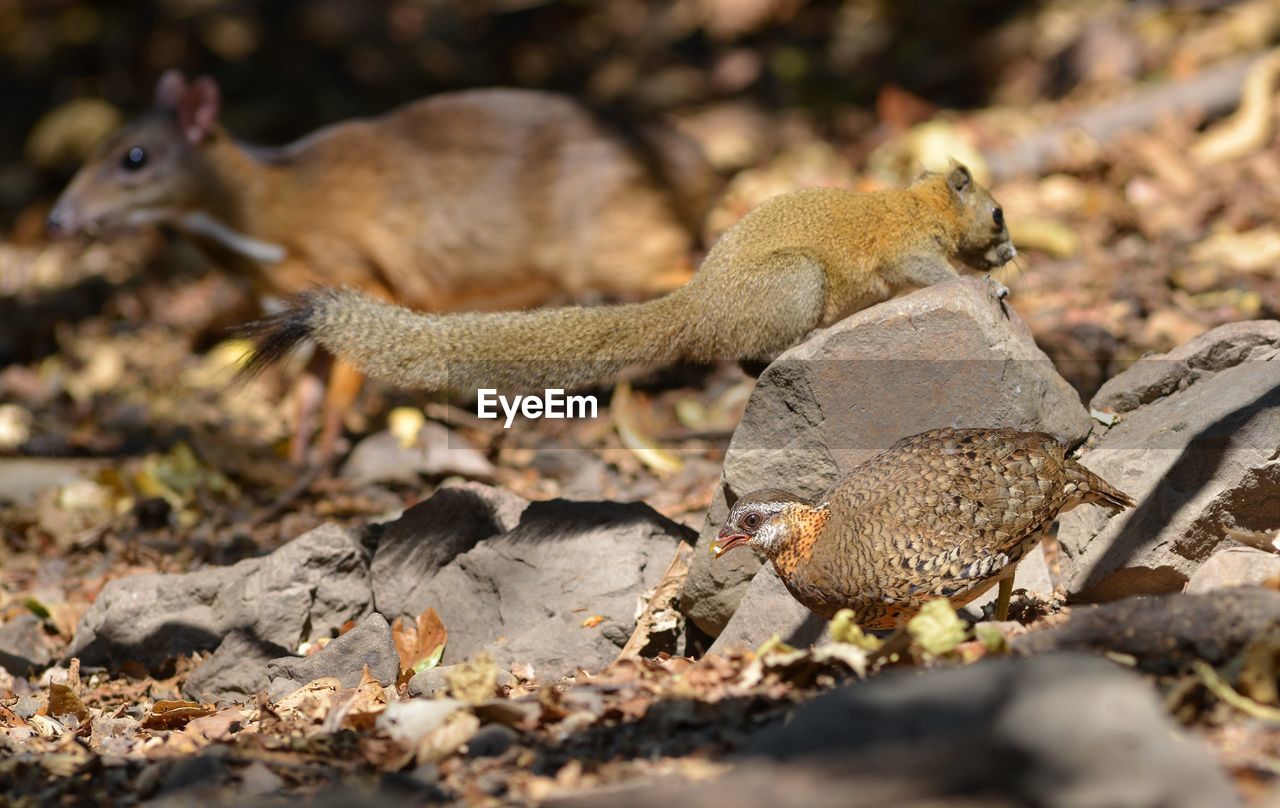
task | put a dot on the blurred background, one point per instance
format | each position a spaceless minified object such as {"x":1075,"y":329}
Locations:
{"x":1131,"y":144}
{"x":1142,"y":193}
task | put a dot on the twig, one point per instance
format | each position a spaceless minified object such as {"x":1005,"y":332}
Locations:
{"x":1218,"y":686}
{"x":1212,"y":91}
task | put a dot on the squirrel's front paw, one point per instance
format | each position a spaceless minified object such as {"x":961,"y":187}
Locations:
{"x":998,"y":289}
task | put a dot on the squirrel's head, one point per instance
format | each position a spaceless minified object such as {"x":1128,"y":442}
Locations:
{"x":982,"y":237}
{"x":150,"y":169}
{"x":769,"y":520}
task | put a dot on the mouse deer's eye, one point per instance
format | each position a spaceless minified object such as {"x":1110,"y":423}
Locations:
{"x":134,"y":159}
{"x":997,"y":216}
{"x":752,"y":521}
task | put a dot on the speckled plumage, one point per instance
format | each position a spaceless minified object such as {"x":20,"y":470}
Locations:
{"x":946,"y":513}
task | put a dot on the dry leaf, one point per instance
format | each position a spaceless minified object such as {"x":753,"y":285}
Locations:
{"x":420,"y":644}
{"x":175,"y":714}
{"x":63,"y":701}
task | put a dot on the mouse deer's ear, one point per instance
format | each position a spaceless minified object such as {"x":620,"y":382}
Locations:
{"x":198,"y":110}
{"x":959,"y":180}
{"x":170,"y":89}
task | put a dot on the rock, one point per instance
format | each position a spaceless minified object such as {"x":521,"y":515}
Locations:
{"x":24,"y":648}
{"x":344,"y":658}
{"x":303,"y":591}
{"x":1197,"y":453}
{"x":437,"y":452}
{"x":432,"y":533}
{"x":523,"y":595}
{"x":236,"y":672}
{"x":949,"y":355}
{"x":1235,"y":566}
{"x":768,"y":609}
{"x":492,"y":740}
{"x":1164,"y":633}
{"x":1156,"y":377}
{"x":1060,"y":731}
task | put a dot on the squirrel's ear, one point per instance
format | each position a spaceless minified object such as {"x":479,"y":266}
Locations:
{"x":959,"y":180}
{"x":170,"y":89}
{"x":198,"y":109}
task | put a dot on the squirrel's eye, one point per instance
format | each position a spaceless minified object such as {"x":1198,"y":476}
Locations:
{"x":134,"y":159}
{"x":998,"y":217}
{"x":751,"y":521}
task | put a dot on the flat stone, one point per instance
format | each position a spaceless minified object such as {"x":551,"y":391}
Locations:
{"x":344,"y":658}
{"x":1235,"y":566}
{"x":525,"y":595}
{"x":303,"y":591}
{"x":413,"y":548}
{"x":236,"y":672}
{"x":24,"y":647}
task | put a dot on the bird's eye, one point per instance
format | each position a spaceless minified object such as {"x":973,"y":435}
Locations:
{"x":134,"y":159}
{"x":997,"y":216}
{"x":751,"y":521}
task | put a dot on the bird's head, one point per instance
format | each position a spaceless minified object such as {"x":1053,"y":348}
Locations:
{"x":767,"y":519}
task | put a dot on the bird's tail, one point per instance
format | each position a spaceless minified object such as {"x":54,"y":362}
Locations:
{"x":1093,"y":489}
{"x":570,"y":348}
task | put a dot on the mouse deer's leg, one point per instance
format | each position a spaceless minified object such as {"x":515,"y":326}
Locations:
{"x":345,"y":382}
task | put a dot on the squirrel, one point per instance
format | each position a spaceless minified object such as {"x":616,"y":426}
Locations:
{"x":475,"y":200}
{"x":796,"y":262}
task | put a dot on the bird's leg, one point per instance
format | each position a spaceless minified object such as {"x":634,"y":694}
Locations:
{"x":1002,"y":596}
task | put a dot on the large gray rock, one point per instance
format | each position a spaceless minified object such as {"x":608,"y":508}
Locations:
{"x":1235,"y":566}
{"x":766,"y":606}
{"x":1196,"y":447}
{"x":1156,"y":377}
{"x":1061,"y":731}
{"x":1056,"y":730}
{"x":949,"y":355}
{"x":236,"y":672}
{"x":303,"y":591}
{"x":524,"y":595}
{"x":432,"y":533}
{"x":344,"y":658}
{"x":24,"y":647}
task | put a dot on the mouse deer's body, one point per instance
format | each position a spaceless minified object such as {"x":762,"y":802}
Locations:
{"x":477,"y":200}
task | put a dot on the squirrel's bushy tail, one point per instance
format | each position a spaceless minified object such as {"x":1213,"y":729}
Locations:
{"x":569,"y":348}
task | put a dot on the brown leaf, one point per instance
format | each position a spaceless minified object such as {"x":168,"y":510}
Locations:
{"x":64,"y":701}
{"x":419,"y":641}
{"x":175,"y":714}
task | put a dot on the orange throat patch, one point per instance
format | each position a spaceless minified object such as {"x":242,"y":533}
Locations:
{"x":805,"y":524}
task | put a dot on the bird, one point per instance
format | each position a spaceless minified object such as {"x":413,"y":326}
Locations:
{"x":946,"y":513}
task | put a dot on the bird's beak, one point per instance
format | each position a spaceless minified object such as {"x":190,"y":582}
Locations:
{"x":726,"y":541}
